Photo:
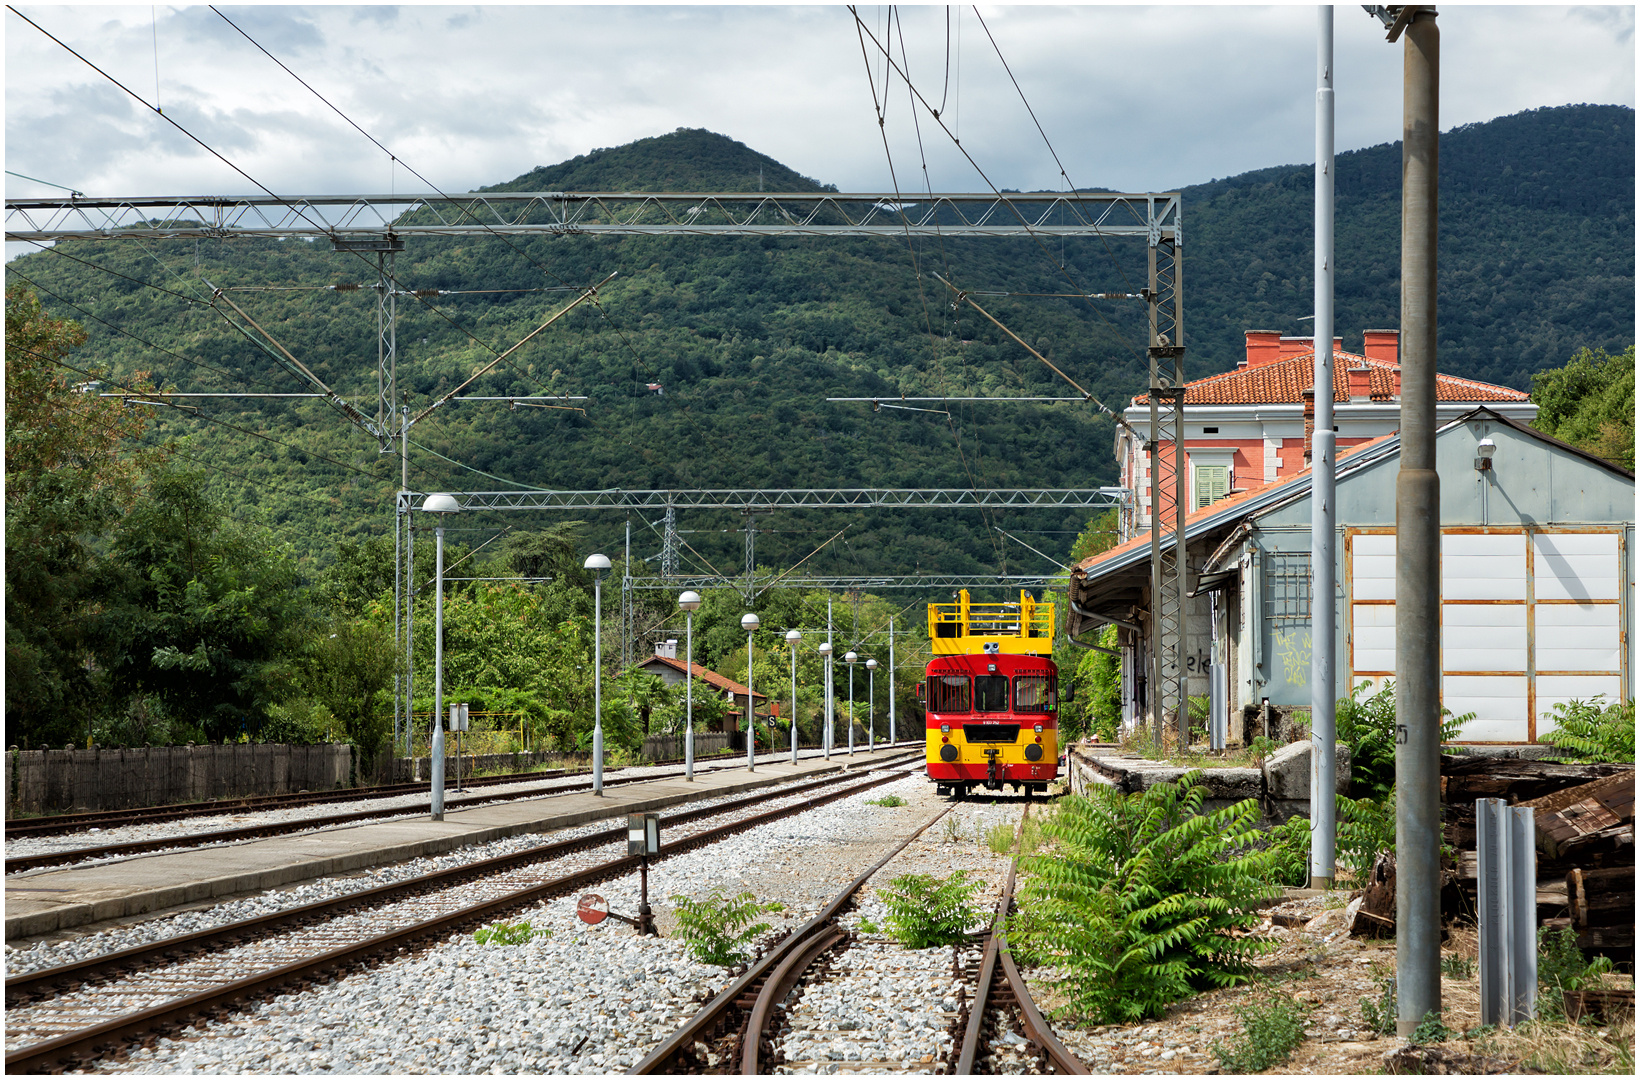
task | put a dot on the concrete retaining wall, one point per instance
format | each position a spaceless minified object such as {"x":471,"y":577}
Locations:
{"x":63,"y":781}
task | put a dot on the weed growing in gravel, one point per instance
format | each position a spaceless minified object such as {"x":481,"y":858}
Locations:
{"x":717,"y":928}
{"x":952,"y":829}
{"x":1000,"y":839}
{"x":1561,"y":968}
{"x":1272,"y":1026}
{"x":508,"y":934}
{"x":1379,"y":1016}
{"x":1144,"y":900}
{"x":886,"y":800}
{"x":1431,"y":1029}
{"x":925,"y":911}
{"x":869,"y":927}
{"x":1457,"y":967}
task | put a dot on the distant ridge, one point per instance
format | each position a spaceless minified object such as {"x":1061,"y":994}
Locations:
{"x":689,"y":159}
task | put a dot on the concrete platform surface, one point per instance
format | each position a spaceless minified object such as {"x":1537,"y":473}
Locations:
{"x":52,"y":900}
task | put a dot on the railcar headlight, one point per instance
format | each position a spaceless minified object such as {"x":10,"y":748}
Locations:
{"x":1039,"y":729}
{"x":945,"y":729}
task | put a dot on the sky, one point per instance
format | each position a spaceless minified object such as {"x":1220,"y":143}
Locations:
{"x":1131,"y":98}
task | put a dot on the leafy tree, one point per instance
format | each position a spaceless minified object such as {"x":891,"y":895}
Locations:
{"x":70,"y":471}
{"x":209,"y":610}
{"x":347,"y":666}
{"x":1590,"y":403}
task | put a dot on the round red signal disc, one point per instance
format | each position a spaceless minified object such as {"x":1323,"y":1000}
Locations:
{"x":592,"y":909}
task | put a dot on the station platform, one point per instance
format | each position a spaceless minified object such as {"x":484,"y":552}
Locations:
{"x":49,"y":901}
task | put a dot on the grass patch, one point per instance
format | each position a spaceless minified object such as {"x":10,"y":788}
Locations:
{"x":508,"y":934}
{"x":886,"y":800}
{"x":1000,"y":839}
{"x":1272,"y":1026}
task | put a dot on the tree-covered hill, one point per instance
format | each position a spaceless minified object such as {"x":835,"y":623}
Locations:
{"x":747,"y":337}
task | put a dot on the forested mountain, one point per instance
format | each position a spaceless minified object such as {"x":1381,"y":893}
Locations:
{"x":747,"y":337}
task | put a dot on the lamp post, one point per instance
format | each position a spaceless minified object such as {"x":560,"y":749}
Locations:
{"x":689,"y":601}
{"x":748,"y":623}
{"x":891,"y":737}
{"x":599,"y":565}
{"x":849,"y":658}
{"x":792,"y":638}
{"x":871,"y":705}
{"x":440,"y":504}
{"x":825,"y":736}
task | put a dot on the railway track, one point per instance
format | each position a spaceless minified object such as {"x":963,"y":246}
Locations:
{"x":69,"y":1015}
{"x":22,"y":863}
{"x":736,"y":1031}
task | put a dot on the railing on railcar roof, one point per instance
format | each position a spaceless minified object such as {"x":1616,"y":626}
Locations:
{"x":967,"y":627}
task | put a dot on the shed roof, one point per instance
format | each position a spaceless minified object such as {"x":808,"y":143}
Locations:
{"x":704,"y":673}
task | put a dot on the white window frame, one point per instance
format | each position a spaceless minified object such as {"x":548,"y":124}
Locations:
{"x":1224,"y":457}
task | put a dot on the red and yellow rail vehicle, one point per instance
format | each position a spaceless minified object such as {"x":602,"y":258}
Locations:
{"x":992,"y":692}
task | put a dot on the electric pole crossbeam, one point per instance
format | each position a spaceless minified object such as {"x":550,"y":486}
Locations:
{"x":931,"y":582}
{"x":749,"y":499}
{"x":349,"y":219}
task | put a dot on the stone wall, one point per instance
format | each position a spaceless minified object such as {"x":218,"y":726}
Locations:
{"x":64,"y":781}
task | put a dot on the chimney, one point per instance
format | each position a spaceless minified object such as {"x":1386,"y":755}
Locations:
{"x":1309,"y":421}
{"x":667,"y":648}
{"x":1263,"y":347}
{"x":1395,"y":374}
{"x":1360,"y":383}
{"x":1297,"y":345}
{"x":1383,"y":346}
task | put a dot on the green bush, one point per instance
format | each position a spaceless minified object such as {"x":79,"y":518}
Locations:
{"x":1365,"y":828}
{"x":924,"y":911}
{"x":1379,"y":1016}
{"x":1562,"y":967}
{"x":508,"y":934}
{"x":1431,"y":1029}
{"x":1000,"y":838}
{"x":717,"y":928}
{"x":1290,"y":845}
{"x":1144,"y":899}
{"x":1457,"y":967}
{"x":1272,"y":1027}
{"x":1592,"y":731}
{"x":1367,"y":726}
{"x":886,"y":800}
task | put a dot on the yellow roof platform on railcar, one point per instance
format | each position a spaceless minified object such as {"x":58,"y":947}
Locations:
{"x":965,"y":627}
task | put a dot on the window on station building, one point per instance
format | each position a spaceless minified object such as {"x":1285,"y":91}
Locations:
{"x":1212,"y":484}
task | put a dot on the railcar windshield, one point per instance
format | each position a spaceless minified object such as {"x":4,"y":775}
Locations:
{"x":1033,"y":694}
{"x":991,"y":693}
{"x":950,"y":694}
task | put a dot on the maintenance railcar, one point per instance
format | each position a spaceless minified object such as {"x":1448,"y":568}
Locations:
{"x":991,"y":694}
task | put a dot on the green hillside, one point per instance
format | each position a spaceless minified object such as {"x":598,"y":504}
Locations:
{"x":748,"y":337}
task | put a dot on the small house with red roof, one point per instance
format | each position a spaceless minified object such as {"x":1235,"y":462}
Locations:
{"x":1537,"y":582}
{"x":1252,"y":426}
{"x":673,"y":671}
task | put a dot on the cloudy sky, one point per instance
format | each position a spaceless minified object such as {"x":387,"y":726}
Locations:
{"x":1133,"y":98}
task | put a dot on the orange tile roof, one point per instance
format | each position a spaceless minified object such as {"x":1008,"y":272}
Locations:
{"x":1284,"y":382}
{"x":1220,"y":506}
{"x":705,"y":673}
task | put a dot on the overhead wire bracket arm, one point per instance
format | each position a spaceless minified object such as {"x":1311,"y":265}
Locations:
{"x":963,"y":297}
{"x":586,"y":294}
{"x":801,"y":561}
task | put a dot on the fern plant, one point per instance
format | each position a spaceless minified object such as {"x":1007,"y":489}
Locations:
{"x":925,"y":911}
{"x":1592,"y":731}
{"x":717,"y":928}
{"x":1144,"y":899}
{"x":1367,"y":726}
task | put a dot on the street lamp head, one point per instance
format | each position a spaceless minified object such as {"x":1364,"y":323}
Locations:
{"x":850,"y":657}
{"x":793,"y":637}
{"x":689,"y":600}
{"x":871,"y":665}
{"x":1484,"y":451}
{"x":598,"y":564}
{"x":440,"y":503}
{"x":748,"y":622}
{"x":825,"y":648}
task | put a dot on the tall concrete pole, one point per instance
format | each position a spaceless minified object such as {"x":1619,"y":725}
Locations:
{"x":1323,"y":722}
{"x":891,"y":732}
{"x":436,"y":751}
{"x":1418,"y":547}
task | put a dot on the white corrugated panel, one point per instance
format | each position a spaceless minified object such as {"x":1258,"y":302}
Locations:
{"x":1483,"y":566}
{"x":1576,"y":566}
{"x":1372,"y":570}
{"x":1578,"y":637}
{"x":1373,"y":634}
{"x":1484,"y":637}
{"x":1498,"y":702}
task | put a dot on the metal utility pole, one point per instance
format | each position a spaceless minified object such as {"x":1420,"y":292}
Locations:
{"x":891,"y":682}
{"x":1417,"y":536}
{"x":1169,"y":570}
{"x":1323,"y":721}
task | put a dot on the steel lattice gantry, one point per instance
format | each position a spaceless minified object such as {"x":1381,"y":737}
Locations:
{"x":782,"y":498}
{"x":380,"y":223}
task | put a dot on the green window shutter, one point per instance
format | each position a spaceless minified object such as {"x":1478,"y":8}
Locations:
{"x":1212,"y":484}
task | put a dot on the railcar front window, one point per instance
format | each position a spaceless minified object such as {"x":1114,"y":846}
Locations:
{"x":949,"y":694}
{"x":1033,"y":694}
{"x":991,"y":693}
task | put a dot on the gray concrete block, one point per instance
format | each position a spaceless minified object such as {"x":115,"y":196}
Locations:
{"x":1287,"y":772}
